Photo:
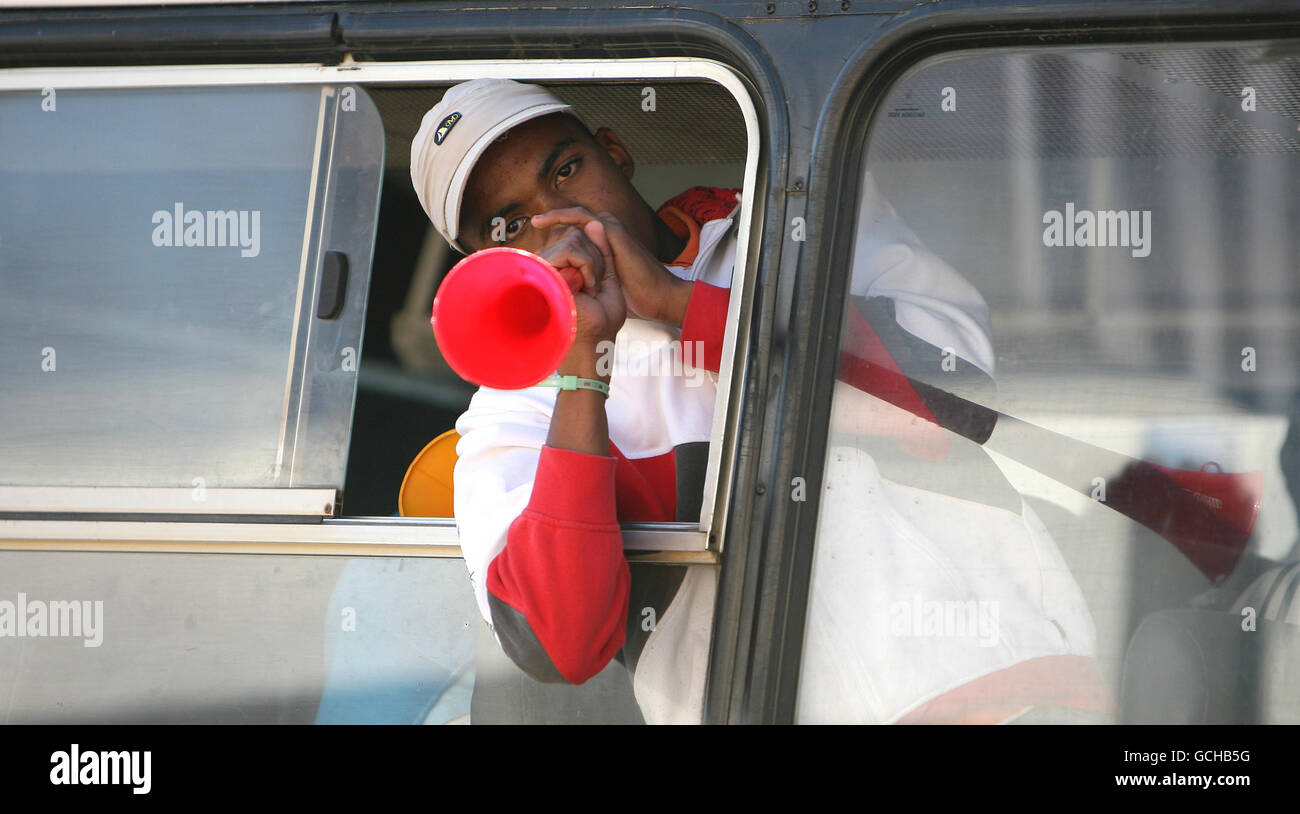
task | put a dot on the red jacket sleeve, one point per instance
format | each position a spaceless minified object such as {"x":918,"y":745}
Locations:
{"x":558,"y":591}
{"x":705,"y":323}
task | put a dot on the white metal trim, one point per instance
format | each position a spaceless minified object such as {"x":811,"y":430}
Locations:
{"x":374,"y":531}
{"x":327,"y":95}
{"x":527,"y":70}
{"x":713,"y":511}
{"x":179,"y":500}
{"x":304,"y":254}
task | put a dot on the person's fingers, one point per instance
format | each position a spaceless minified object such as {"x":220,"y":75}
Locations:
{"x":572,"y":278}
{"x":580,"y":217}
{"x":595,"y":232}
{"x":570,"y":216}
{"x":582,"y":263}
{"x":607,"y":235}
{"x":591,"y":273}
{"x":575,"y":249}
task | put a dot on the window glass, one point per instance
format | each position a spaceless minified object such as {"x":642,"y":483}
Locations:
{"x":168,"y":638}
{"x":158,"y":271}
{"x":1061,"y":468}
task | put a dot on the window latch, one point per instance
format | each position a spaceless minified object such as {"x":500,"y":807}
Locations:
{"x":333,"y":285}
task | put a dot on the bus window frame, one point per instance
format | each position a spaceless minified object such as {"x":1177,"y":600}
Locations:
{"x":379,"y":536}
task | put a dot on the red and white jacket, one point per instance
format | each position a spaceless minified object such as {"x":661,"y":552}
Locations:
{"x":539,"y":526}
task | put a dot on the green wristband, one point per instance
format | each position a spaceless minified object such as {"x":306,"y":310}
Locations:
{"x":575,"y":383}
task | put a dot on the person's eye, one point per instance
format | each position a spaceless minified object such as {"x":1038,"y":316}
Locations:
{"x":568,"y":169}
{"x":515,"y":226}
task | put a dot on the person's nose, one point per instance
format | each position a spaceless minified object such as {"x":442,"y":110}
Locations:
{"x":550,"y":199}
{"x":547,"y":202}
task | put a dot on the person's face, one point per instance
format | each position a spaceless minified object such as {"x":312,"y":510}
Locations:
{"x":544,"y":164}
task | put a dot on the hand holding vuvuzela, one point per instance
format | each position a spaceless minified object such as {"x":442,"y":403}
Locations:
{"x":506,"y":318}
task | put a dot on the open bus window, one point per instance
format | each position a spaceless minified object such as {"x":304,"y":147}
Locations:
{"x":408,"y":394}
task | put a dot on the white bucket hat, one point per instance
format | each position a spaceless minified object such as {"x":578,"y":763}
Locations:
{"x":459,"y":129}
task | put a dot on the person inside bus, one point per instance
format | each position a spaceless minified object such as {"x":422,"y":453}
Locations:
{"x":545,"y":475}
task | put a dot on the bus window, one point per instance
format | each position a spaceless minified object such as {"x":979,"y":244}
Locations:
{"x":165,"y":256}
{"x":234,"y":398}
{"x":409,"y":396}
{"x":1056,"y":467}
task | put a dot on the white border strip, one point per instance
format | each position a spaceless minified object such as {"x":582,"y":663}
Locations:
{"x":524,"y":70}
{"x":233,"y":537}
{"x":181,"y":500}
{"x":304,"y":254}
{"x":324,"y":226}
